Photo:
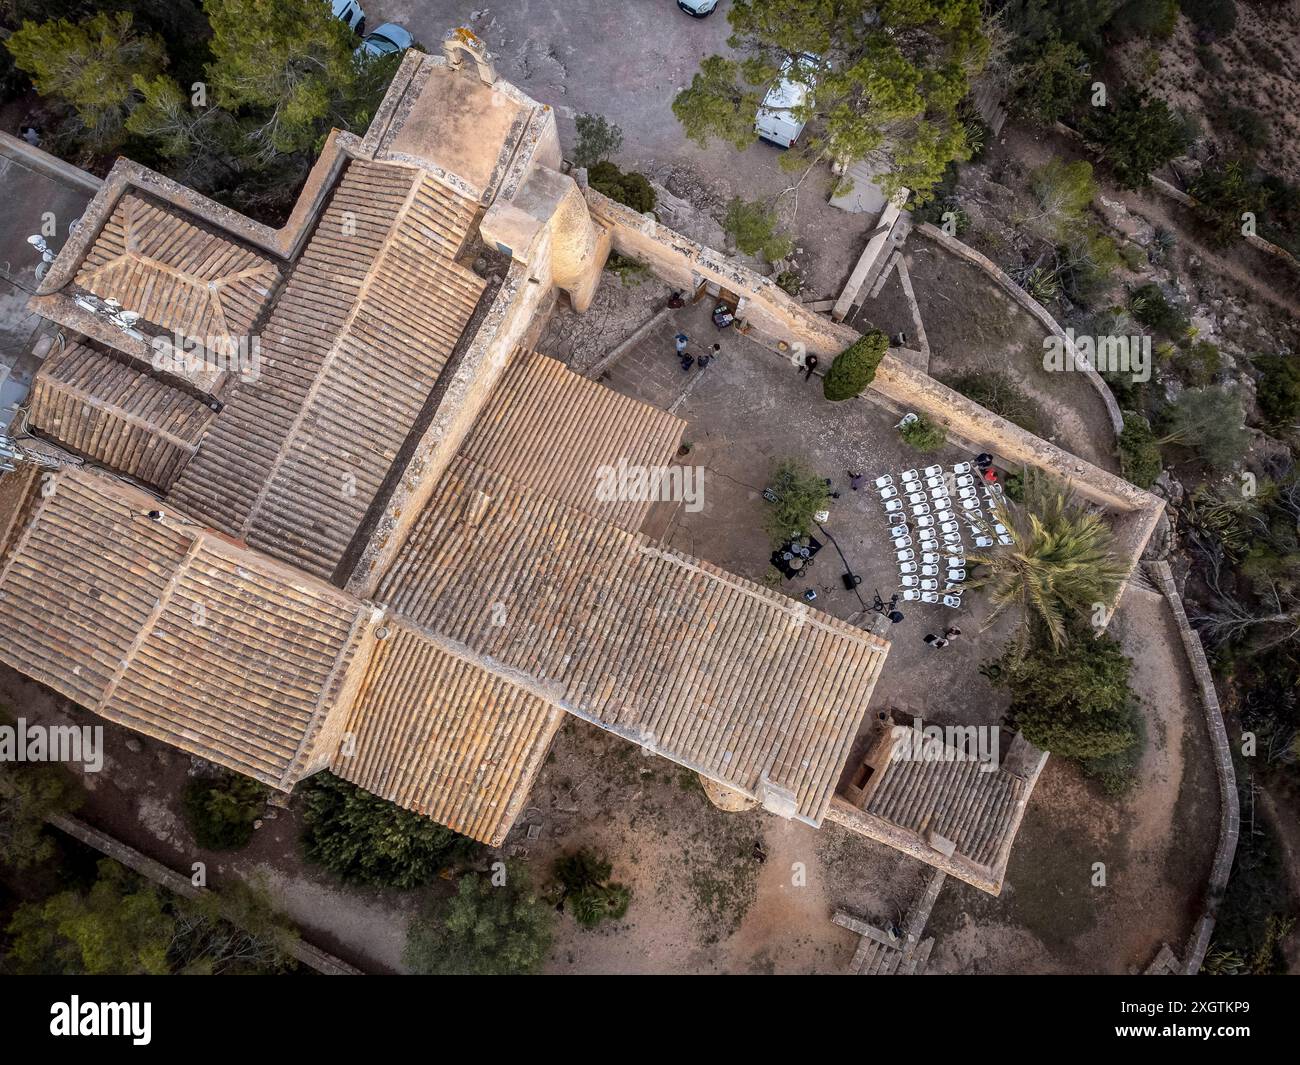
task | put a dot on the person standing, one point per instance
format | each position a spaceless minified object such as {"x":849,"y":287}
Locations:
{"x":936,"y":641}
{"x":856,"y":480}
{"x":809,"y":365}
{"x":680,"y":341}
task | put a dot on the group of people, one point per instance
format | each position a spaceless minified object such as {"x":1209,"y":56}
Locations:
{"x":687,"y":360}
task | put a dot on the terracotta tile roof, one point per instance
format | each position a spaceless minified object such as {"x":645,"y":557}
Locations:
{"x":552,"y":430}
{"x":710,"y":670}
{"x":175,"y":274}
{"x":437,"y":733}
{"x":117,"y":415}
{"x":352,"y":348}
{"x":953,"y":796}
{"x":172,"y":631}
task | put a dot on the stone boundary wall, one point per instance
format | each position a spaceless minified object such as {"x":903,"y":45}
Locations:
{"x":43,"y":162}
{"x":314,"y":957}
{"x":1229,"y":807}
{"x":1028,"y":303}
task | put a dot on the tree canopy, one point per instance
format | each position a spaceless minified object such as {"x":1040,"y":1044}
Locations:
{"x":884,"y":81}
{"x":855,"y":366}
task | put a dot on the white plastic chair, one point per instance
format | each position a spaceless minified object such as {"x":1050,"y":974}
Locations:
{"x":962,"y":467}
{"x":928,"y":537}
{"x":929,"y":597}
{"x":965,"y":481}
{"x":952,"y":601}
{"x":957,"y":575}
{"x":920,"y":508}
{"x":911,"y":484}
{"x":882,"y":482}
{"x":911,"y":595}
{"x":893,"y":506}
{"x":970,"y":504}
{"x":967,"y":493}
{"x":934,"y":471}
{"x":888,"y":492}
{"x":939,"y":494}
{"x":945,"y":514}
{"x":1006,"y":541}
{"x":907,"y":567}
{"x":897,"y":518}
{"x":909,"y":582}
{"x":929,"y":571}
{"x":916,"y":497}
{"x":925,"y":521}
{"x":983,"y":541}
{"x":910,"y":475}
{"x":949,"y":527}
{"x":929,"y":584}
{"x":952,"y":587}
{"x":952,"y":539}
{"x":955,"y":562}
{"x":931,"y":558}
{"x":906,"y":556}
{"x":935,"y":482}
{"x":901,"y":542}
{"x":898,"y":530}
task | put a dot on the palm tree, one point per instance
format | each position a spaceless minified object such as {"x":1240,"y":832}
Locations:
{"x":1058,"y":565}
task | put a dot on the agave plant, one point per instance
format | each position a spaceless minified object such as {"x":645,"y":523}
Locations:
{"x":1058,"y":566}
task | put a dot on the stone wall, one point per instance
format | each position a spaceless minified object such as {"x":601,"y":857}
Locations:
{"x":1229,"y":806}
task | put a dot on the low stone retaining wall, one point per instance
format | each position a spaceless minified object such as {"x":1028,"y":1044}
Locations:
{"x":1229,"y":807}
{"x":1028,"y":303}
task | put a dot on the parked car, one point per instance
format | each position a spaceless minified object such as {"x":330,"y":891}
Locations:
{"x":775,"y":121}
{"x":350,"y":12}
{"x":385,"y":40}
{"x":698,"y":8}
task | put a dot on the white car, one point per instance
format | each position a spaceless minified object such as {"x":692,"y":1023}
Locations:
{"x":698,"y":8}
{"x":350,"y":12}
{"x":385,"y":40}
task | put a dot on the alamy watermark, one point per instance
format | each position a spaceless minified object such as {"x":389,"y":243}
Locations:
{"x":1108,"y":354}
{"x":180,"y":354}
{"x":22,"y":742}
{"x":948,"y":743}
{"x":629,"y":482}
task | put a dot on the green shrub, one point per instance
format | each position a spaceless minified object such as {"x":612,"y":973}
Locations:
{"x":1150,"y":307}
{"x":1117,"y":772}
{"x":1198,"y":362}
{"x":790,"y":281}
{"x":1209,"y":59}
{"x":1209,"y":421}
{"x":1223,"y":196}
{"x":1278,"y":391}
{"x":1146,"y":18}
{"x":998,"y":391}
{"x":1248,"y":125}
{"x":220,"y":810}
{"x":799,"y":494}
{"x":598,"y":139}
{"x":1217,"y":17}
{"x":1075,"y":700}
{"x":1135,"y":136}
{"x":753,"y":226}
{"x":586,"y":890}
{"x":30,"y":792}
{"x":1048,"y":78}
{"x":364,"y":839}
{"x":629,"y":270}
{"x":1139,"y":454}
{"x":924,"y":435}
{"x":854,"y":368}
{"x":485,"y":929}
{"x":629,"y":188}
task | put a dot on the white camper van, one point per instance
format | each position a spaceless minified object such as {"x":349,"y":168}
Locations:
{"x":775,"y":123}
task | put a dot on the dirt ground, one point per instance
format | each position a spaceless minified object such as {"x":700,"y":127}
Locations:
{"x":1156,"y":843}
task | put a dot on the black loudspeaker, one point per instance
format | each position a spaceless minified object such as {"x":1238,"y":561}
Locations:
{"x":851,"y":581}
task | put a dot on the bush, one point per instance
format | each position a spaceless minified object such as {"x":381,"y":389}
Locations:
{"x":485,"y":929}
{"x":1248,"y":125}
{"x":1223,"y":196}
{"x":753,"y":226}
{"x":630,"y":188}
{"x":1137,"y":135}
{"x":585,"y":888}
{"x":854,"y":368}
{"x":799,"y":495}
{"x":29,"y":792}
{"x":1197,"y":363}
{"x":364,"y":839}
{"x":1216,"y":17}
{"x":598,"y":139}
{"x":1139,"y":454}
{"x":1278,"y":391}
{"x":1209,"y":421}
{"x":1117,"y":772}
{"x":1146,"y":18}
{"x":629,"y":270}
{"x":790,"y":281}
{"x":1048,"y":79}
{"x":1150,"y":307}
{"x":924,"y":435}
{"x":220,"y":810}
{"x":1075,"y":700}
{"x":1064,"y":191}
{"x":998,"y":391}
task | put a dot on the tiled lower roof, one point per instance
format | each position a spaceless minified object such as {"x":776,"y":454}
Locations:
{"x":707,"y":669}
{"x":117,"y":415}
{"x":557,"y":432}
{"x":437,"y":733}
{"x":350,"y":353}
